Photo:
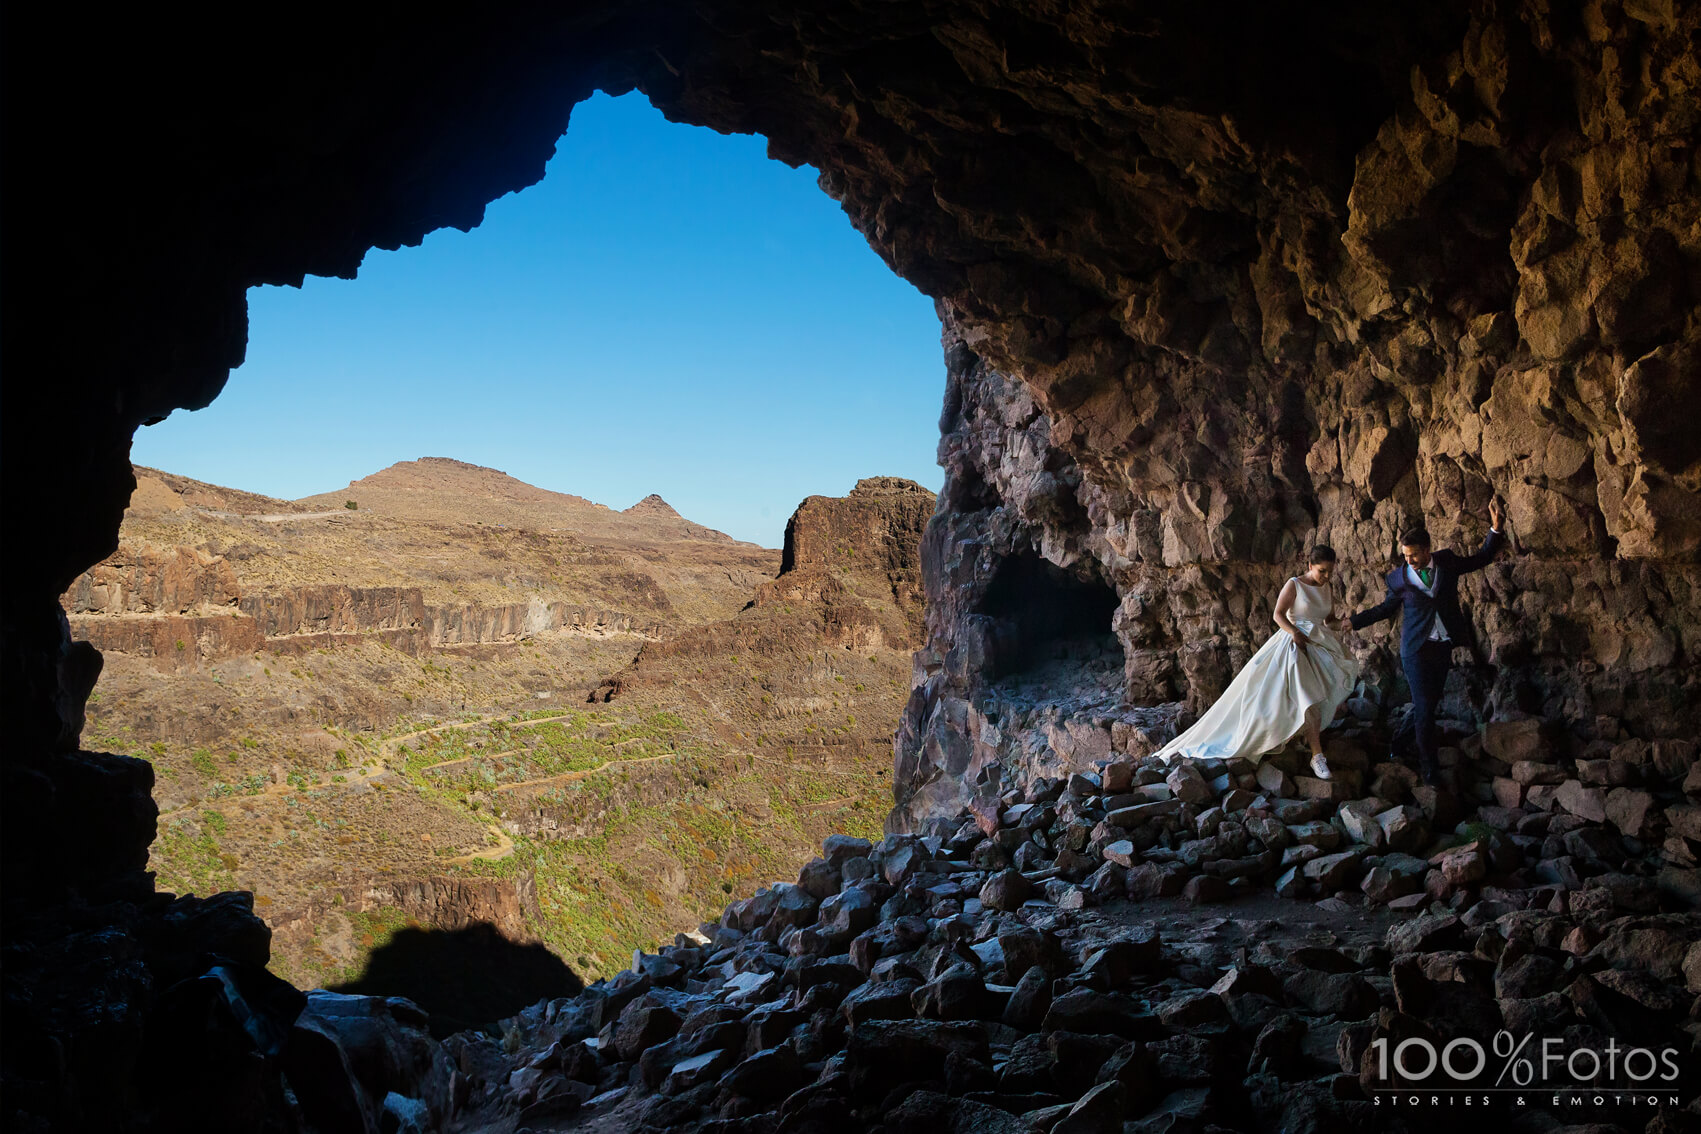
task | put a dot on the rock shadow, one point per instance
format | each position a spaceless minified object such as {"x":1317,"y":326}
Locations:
{"x":465,"y":978}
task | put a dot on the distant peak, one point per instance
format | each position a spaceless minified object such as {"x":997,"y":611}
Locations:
{"x":653,"y":505}
{"x":449,"y":462}
{"x":446,"y":483}
{"x":888,"y":486}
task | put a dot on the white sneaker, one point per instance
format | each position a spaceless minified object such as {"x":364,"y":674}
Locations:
{"x":1319,"y":765}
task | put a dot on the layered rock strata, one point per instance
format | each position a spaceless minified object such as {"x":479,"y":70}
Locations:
{"x":182,"y":607}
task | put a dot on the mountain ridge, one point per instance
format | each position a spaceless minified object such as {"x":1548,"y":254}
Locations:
{"x":448,"y":489}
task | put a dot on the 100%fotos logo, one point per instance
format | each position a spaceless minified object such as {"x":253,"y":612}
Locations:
{"x":1463,"y":1060}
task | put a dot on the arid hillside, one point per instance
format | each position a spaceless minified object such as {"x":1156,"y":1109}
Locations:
{"x":445,"y":490}
{"x":467,"y":699}
{"x":461,"y":534}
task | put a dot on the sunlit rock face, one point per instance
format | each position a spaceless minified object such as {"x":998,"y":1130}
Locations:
{"x":1492,"y":296}
{"x":1267,"y":275}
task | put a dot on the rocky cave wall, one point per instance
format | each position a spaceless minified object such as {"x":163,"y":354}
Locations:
{"x":1216,"y":282}
{"x":1496,"y":299}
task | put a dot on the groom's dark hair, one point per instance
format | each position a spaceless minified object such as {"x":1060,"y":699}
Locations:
{"x":1415,"y":537}
{"x":1322,"y":553}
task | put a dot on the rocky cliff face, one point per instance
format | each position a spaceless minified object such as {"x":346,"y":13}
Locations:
{"x":181,"y":607}
{"x":442,"y":903}
{"x":849,"y":579}
{"x":1495,"y":298}
{"x":151,"y":580}
{"x":870,"y":539}
{"x":1064,"y":609}
{"x":336,"y":610}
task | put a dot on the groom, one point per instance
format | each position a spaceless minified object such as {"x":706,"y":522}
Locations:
{"x":1426,"y":589}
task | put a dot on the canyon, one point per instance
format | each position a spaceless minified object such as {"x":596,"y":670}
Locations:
{"x":1215,"y":284}
{"x":473,"y":533}
{"x":433,"y":742}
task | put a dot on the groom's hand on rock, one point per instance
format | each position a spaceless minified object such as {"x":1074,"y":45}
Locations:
{"x":1496,"y":514}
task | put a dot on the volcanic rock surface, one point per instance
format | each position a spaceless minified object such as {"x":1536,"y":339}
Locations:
{"x":1102,"y":952}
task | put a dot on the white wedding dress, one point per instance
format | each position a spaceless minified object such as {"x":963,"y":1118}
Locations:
{"x":1267,"y":702}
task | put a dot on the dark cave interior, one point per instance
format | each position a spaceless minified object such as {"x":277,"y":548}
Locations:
{"x":1043,"y":612}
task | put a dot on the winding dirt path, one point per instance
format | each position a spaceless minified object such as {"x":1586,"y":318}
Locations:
{"x":389,"y":747}
{"x":224,"y":804}
{"x":503,"y":848}
{"x":475,"y":756}
{"x":806,"y":767}
{"x":582,"y":773}
{"x":364,"y":774}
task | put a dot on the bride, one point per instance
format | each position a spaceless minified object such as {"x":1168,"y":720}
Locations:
{"x":1294,"y":683}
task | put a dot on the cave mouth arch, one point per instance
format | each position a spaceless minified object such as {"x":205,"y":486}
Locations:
{"x":1050,"y":621}
{"x":790,"y":244}
{"x":660,"y":276}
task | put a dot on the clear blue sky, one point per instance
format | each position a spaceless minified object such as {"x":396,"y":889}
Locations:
{"x":668,"y":311}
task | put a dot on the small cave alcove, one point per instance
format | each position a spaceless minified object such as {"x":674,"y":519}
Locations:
{"x":1047,"y":618}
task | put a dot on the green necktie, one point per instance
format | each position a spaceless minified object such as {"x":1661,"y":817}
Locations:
{"x":1426,"y":573}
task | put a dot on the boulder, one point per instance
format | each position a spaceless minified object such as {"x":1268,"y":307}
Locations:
{"x":1189,"y":785}
{"x":1026,"y":948}
{"x":1006,"y":890}
{"x":1404,"y":828}
{"x":350,"y":1054}
{"x":1333,"y":871}
{"x":1029,"y":1001}
{"x":1515,"y":740}
{"x":1584,"y":802}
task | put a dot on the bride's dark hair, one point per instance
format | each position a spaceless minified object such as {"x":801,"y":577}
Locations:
{"x":1322,"y":553}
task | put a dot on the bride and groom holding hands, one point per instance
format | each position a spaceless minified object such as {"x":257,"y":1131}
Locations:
{"x":1302,"y":674}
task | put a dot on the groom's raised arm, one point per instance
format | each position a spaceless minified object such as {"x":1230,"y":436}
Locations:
{"x":1465,"y":564}
{"x":1387,"y":608}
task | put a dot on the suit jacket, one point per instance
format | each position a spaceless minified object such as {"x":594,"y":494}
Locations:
{"x":1420,"y":610}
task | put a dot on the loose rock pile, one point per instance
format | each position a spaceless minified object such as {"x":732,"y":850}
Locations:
{"x":962,"y":981}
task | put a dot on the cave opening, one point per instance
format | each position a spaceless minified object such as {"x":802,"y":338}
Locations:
{"x":1049,"y":620}
{"x":660,"y":278}
{"x":358,"y":600}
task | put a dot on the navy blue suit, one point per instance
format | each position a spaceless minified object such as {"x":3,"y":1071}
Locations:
{"x":1426,"y":662}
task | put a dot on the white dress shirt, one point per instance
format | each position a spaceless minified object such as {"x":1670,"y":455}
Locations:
{"x":1437,"y":632}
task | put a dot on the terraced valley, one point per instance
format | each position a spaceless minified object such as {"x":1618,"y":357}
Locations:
{"x":594,"y":778}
